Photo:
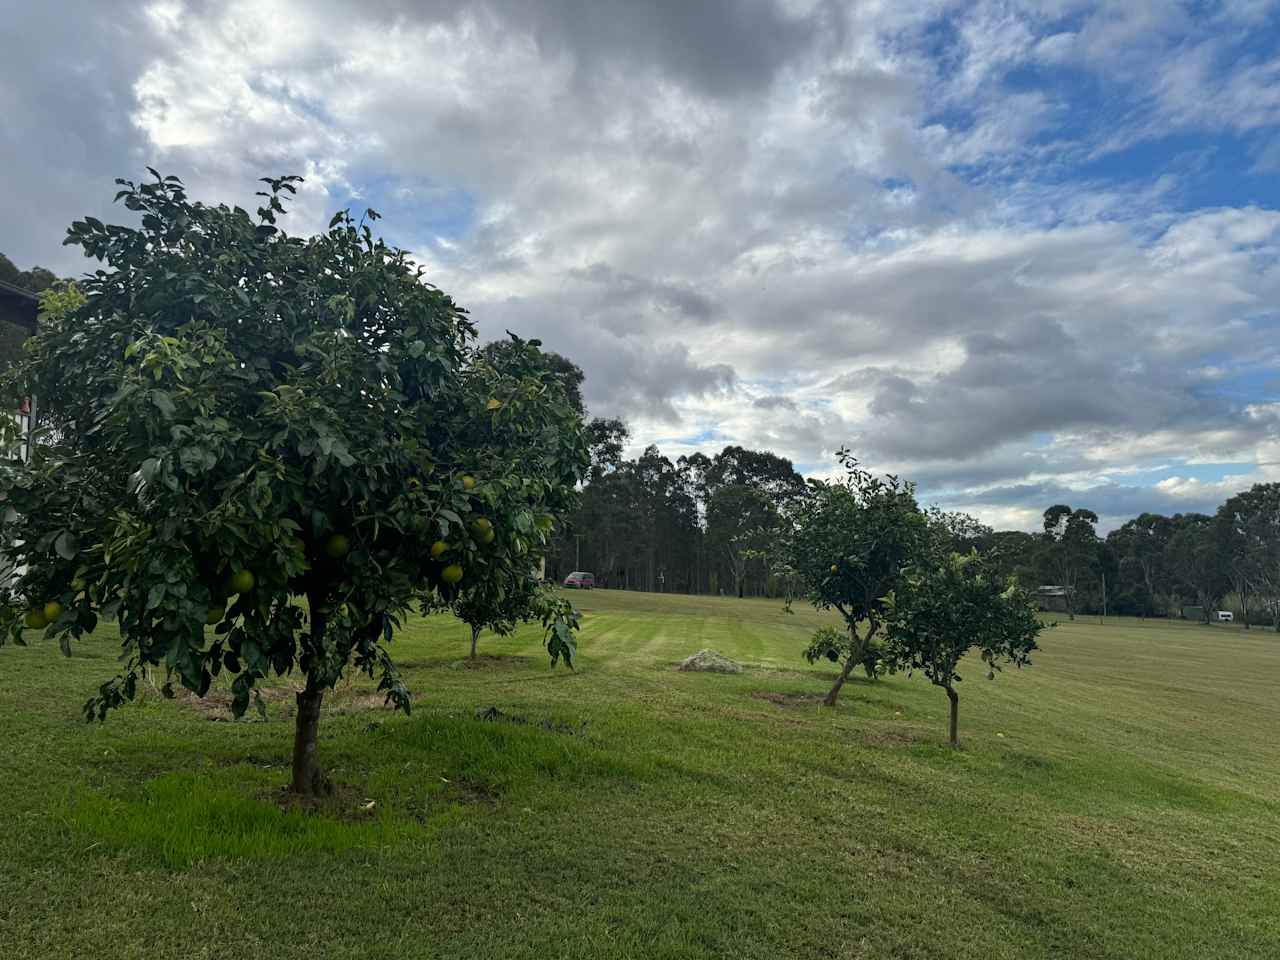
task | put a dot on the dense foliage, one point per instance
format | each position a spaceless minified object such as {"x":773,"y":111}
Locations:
{"x":264,"y":434}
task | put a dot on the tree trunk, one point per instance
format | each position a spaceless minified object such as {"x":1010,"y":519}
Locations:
{"x":308,"y":781}
{"x":475,"y":635}
{"x":830,"y":699}
{"x":852,"y":660}
{"x":955,"y":715}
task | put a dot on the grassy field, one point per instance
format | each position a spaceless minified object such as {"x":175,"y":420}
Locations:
{"x":1118,"y":799}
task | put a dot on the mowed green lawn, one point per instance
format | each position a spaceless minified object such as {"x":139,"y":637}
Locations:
{"x":1118,"y":799}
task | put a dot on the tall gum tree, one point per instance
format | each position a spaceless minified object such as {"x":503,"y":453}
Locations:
{"x":1072,"y":546}
{"x":1253,"y":520}
{"x":253,"y":440}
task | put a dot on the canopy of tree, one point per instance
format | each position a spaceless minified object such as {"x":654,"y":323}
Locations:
{"x":262,"y":433}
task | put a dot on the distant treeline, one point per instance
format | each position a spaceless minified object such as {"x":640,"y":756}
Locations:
{"x":703,"y":524}
{"x":706,"y":525}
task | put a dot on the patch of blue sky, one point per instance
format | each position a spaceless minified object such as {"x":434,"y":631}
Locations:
{"x":275,"y":88}
{"x":423,"y":212}
{"x":1210,"y":170}
{"x":706,"y":435}
{"x":1204,"y":472}
{"x":1207,"y":167}
{"x":1245,"y":385}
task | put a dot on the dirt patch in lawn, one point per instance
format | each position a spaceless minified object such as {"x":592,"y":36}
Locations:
{"x":891,"y":737}
{"x":361,"y":702}
{"x":494,"y":715}
{"x":216,"y":704}
{"x":342,"y":802}
{"x":787,"y":699}
{"x":281,"y":702}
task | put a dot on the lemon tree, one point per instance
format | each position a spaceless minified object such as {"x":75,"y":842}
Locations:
{"x":254,"y":440}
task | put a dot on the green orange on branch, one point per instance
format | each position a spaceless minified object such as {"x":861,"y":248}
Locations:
{"x":452,"y":573}
{"x":242,"y":581}
{"x":35,"y":620}
{"x":468,"y":482}
{"x":439,"y":549}
{"x":52,"y":610}
{"x":337,"y":546}
{"x":482,"y":531}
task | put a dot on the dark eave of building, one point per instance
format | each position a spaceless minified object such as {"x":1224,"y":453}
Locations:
{"x":8,"y":289}
{"x":18,"y":305}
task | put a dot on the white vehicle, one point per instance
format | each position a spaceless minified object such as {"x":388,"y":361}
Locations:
{"x":1226,"y":616}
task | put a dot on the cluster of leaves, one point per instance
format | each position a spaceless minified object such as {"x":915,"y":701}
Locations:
{"x":59,"y":300}
{"x":264,"y":433}
{"x":838,"y":646}
{"x":851,"y":539}
{"x":940,"y":610}
{"x":560,"y":621}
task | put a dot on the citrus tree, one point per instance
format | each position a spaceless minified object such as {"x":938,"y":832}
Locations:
{"x":948,"y":605}
{"x":253,"y":441}
{"x":849,"y":541}
{"x":498,"y":606}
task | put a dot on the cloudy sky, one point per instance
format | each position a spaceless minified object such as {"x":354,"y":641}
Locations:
{"x":1020,"y":251}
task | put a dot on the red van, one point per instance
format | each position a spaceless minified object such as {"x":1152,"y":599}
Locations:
{"x":582,"y":581}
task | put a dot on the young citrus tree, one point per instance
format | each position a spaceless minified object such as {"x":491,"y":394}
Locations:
{"x":253,"y":441}
{"x":850,"y":541}
{"x":501,"y":607}
{"x":951,"y":604}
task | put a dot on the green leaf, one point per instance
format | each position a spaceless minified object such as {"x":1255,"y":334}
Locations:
{"x":65,"y":545}
{"x":163,"y":402}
